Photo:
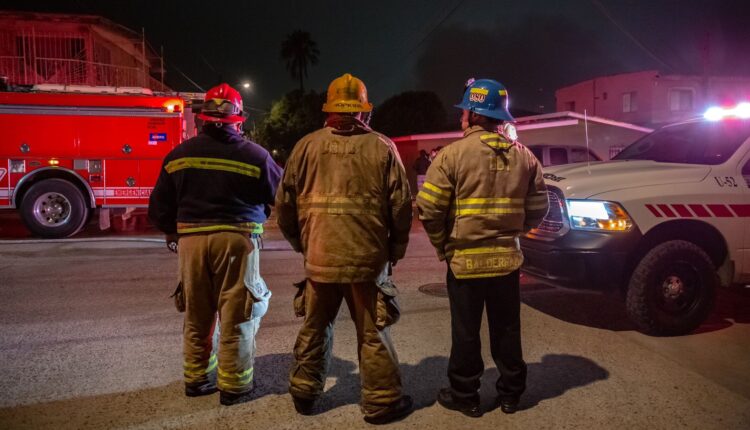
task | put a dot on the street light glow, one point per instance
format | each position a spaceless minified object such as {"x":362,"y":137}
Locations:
{"x":246,"y":85}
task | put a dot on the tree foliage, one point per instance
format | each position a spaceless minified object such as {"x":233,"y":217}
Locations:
{"x":411,"y":112}
{"x":293,"y":116}
{"x":299,"y":51}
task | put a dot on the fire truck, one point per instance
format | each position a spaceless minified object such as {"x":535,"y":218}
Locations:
{"x":66,"y":150}
{"x":664,"y":223}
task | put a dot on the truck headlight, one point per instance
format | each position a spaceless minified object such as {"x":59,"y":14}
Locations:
{"x":598,"y":215}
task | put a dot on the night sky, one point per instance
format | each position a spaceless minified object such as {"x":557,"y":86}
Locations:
{"x":531,"y":46}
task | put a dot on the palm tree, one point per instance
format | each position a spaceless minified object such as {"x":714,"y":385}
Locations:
{"x":299,"y":51}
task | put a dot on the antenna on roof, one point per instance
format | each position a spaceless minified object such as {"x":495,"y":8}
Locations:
{"x":588,"y":152}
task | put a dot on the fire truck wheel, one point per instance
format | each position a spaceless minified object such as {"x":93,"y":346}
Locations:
{"x":672,"y":289}
{"x":54,"y":208}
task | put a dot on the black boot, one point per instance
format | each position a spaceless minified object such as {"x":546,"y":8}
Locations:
{"x":395,"y":411}
{"x":303,"y":406}
{"x":508,"y":404}
{"x":201,"y":389}
{"x":468,"y":407}
{"x":229,"y":399}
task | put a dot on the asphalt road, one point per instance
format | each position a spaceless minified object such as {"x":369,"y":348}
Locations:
{"x":89,"y":339}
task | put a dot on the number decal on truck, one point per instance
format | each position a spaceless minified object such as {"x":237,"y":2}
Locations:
{"x":725,"y":181}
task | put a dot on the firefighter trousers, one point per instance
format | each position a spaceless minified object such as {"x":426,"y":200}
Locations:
{"x":468,"y":298}
{"x":212,"y":268}
{"x":379,"y":373}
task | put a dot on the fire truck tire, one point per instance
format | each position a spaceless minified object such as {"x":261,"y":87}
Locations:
{"x":54,"y":208}
{"x":672,"y":289}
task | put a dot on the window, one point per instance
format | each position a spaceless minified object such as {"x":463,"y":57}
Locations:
{"x":630,"y":102}
{"x":558,"y":156}
{"x":698,"y":142}
{"x":570,"y":106}
{"x":746,"y":173}
{"x":680,"y":100}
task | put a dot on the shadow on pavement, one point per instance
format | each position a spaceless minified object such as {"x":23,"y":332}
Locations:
{"x":552,"y":377}
{"x":585,"y":308}
{"x":607,"y":311}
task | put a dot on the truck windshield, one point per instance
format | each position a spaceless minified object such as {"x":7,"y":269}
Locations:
{"x":690,"y":143}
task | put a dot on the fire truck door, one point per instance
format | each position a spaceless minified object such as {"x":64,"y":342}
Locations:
{"x":122,"y":183}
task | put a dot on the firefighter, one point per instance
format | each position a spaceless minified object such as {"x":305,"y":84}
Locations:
{"x":344,"y":202}
{"x":214,"y":192}
{"x":480,"y":194}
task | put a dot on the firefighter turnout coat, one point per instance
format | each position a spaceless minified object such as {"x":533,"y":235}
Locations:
{"x":480,"y":194}
{"x":345,"y":203}
{"x":216,"y":181}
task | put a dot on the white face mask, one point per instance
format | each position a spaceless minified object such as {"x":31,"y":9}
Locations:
{"x":509,"y":131}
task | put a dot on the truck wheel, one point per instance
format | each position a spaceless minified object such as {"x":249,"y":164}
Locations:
{"x":671,"y":291}
{"x":54,"y":208}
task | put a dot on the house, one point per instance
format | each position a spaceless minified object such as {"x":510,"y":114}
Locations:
{"x":47,"y":48}
{"x":605,"y":137}
{"x":650,"y":98}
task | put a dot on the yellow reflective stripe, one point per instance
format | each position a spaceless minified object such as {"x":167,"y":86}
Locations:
{"x":430,"y":198}
{"x":485,"y":250}
{"x":212,"y":164}
{"x":212,"y":363}
{"x":245,"y":228}
{"x":490,"y":136}
{"x":484,"y":91}
{"x":503,"y":92}
{"x":488,"y":211}
{"x":489,"y":200}
{"x":235,"y":380}
{"x":198,"y":370}
{"x":436,"y":189}
{"x":340,"y":205}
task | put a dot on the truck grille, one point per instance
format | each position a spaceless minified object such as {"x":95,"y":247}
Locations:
{"x":554,"y":221}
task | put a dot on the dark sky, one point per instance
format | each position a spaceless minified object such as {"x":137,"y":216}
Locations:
{"x":532,"y":46}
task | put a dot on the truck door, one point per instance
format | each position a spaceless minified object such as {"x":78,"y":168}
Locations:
{"x":744,"y":254}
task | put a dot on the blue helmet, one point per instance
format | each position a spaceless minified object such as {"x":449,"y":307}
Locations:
{"x":486,"y":97}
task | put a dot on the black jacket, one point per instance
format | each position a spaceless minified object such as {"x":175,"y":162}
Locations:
{"x":215,"y":178}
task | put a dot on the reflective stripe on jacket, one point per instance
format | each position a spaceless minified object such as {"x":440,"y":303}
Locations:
{"x":480,"y":194}
{"x":344,"y":201}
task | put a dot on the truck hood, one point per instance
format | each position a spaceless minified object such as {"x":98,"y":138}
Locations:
{"x":582,"y":180}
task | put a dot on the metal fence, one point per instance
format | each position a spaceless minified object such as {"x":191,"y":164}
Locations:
{"x":29,"y":58}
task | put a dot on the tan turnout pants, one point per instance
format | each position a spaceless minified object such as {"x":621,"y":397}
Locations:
{"x":378,"y":364}
{"x":212,"y":268}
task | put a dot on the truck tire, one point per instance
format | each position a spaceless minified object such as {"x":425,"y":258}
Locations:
{"x":672,"y":289}
{"x":54,"y":208}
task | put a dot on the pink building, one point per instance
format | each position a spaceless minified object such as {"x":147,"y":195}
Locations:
{"x":46,"y":48}
{"x":650,"y":98}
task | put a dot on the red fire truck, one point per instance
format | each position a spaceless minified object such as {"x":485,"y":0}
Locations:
{"x":66,"y":150}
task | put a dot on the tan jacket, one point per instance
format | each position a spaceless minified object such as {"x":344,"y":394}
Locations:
{"x":344,"y":202}
{"x":480,"y":194}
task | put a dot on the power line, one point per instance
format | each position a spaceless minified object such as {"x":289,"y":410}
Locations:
{"x":638,"y":43}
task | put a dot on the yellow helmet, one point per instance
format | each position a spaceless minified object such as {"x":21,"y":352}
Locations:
{"x":347,"y":94}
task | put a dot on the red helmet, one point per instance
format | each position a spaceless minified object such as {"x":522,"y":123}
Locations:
{"x":222,"y":104}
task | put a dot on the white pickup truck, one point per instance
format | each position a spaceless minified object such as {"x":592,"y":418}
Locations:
{"x":664,"y":223}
